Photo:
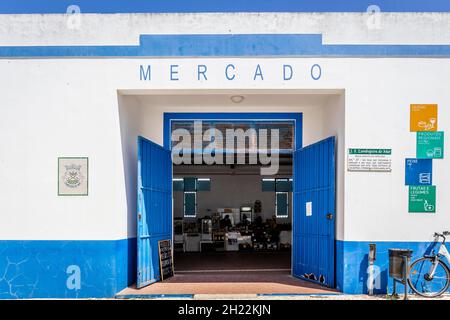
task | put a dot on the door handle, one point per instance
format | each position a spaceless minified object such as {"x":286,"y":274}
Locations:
{"x":330,"y":216}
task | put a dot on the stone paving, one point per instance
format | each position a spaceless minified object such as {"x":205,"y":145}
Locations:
{"x":341,"y":297}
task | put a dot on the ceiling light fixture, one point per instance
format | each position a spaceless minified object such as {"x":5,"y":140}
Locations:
{"x":237,"y":99}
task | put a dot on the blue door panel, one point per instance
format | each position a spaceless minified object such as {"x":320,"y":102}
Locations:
{"x":154,"y":206}
{"x":314,"y":235}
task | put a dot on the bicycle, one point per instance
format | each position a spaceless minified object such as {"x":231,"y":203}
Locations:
{"x":429,"y":276}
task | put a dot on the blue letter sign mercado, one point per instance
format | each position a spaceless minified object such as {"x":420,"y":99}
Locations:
{"x":230,"y":71}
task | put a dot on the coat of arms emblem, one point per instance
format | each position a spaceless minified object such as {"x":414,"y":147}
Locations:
{"x":73,"y":176}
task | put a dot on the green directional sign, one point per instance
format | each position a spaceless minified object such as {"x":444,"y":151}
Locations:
{"x":370,"y":151}
{"x":369,"y":160}
{"x":430,"y":145}
{"x":422,"y":199}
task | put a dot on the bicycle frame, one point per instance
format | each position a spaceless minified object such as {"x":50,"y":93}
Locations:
{"x":442,"y":252}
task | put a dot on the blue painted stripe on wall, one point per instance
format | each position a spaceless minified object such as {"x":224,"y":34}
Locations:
{"x":352,"y":263}
{"x":183,"y":6}
{"x":38,"y":269}
{"x":240,"y":45}
{"x":155,"y":296}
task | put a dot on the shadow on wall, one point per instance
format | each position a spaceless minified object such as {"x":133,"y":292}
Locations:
{"x":131,"y":122}
{"x":129,"y":114}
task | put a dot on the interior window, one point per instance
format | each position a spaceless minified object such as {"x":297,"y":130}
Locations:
{"x":282,"y":204}
{"x":190,"y":204}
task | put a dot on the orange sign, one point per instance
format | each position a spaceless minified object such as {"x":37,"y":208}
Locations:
{"x":423,"y":117}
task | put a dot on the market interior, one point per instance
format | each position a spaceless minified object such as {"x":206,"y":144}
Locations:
{"x":230,"y":217}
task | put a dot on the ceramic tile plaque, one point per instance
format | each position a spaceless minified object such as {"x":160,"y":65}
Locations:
{"x":73,"y":176}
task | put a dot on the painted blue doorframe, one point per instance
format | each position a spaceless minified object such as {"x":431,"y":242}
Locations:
{"x":314,"y":214}
{"x":154,"y":208}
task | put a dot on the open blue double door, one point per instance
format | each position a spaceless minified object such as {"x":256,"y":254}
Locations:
{"x":154,"y":208}
{"x":313,"y":221}
{"x":313,"y":211}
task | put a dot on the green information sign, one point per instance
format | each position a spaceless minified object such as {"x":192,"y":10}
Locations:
{"x":369,"y":151}
{"x":422,"y":199}
{"x":430,"y":145}
{"x":369,"y":160}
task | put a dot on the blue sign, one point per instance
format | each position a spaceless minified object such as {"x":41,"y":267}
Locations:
{"x":418,"y":172}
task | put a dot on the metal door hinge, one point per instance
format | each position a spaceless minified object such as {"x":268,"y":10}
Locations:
{"x":330,"y":216}
{"x":139,"y":216}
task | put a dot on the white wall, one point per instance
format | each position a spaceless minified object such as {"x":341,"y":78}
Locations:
{"x":334,"y":125}
{"x":69,"y":107}
{"x":125,"y":29}
{"x":133,"y":123}
{"x":144,"y":114}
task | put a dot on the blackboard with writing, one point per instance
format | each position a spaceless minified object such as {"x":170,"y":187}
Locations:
{"x":165,"y":259}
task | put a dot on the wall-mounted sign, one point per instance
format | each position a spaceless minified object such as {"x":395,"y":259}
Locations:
{"x":422,"y":199}
{"x":73,"y":176}
{"x":228,"y":71}
{"x":372,"y":160}
{"x":423,"y":117}
{"x":430,"y":145}
{"x":418,"y":172}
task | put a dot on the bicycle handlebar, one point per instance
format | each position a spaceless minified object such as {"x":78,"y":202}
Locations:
{"x":443,"y":234}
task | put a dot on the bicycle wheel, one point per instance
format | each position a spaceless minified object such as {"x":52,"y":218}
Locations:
{"x":422,"y":284}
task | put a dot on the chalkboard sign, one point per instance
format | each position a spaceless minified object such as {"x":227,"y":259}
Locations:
{"x":165,"y":259}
